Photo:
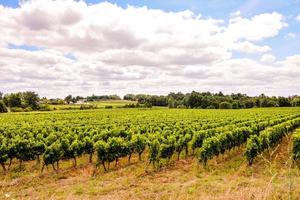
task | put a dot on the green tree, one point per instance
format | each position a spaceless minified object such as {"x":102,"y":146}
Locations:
{"x":68,"y":99}
{"x":284,"y":102}
{"x":30,"y":99}
{"x":235,"y":105}
{"x":3,"y":108}
{"x":296,"y":101}
{"x":225,"y":105}
{"x":13,"y":100}
{"x":130,"y":97}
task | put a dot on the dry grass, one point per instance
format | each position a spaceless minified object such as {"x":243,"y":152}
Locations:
{"x":226,"y":178}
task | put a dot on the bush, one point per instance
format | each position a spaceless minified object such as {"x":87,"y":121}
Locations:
{"x":108,"y":107}
{"x":210,"y":107}
{"x":225,"y":105}
{"x":87,"y":106}
{"x":16,"y":109}
{"x":181,"y":106}
{"x":131,"y":105}
{"x":146,"y":105}
{"x":28,"y":109}
{"x":44,"y":107}
{"x":235,"y":105}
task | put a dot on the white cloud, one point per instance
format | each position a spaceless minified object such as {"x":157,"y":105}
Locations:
{"x":291,"y":35}
{"x":235,"y":14}
{"x":135,"y":49}
{"x":268,"y":58}
{"x":255,"y":29}
{"x":248,"y":47}
{"x":298,"y":17}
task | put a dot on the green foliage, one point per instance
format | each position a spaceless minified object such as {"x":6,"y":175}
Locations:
{"x":235,"y":105}
{"x":26,"y":101}
{"x":102,"y":149}
{"x":52,"y":154}
{"x":3,"y":108}
{"x":88,"y":106}
{"x":296,"y":146}
{"x":269,"y":138}
{"x":154,"y":149}
{"x":296,"y":102}
{"x":115,"y":134}
{"x":139,"y":143}
{"x":252,"y":148}
{"x":3,"y":152}
{"x":24,"y":148}
{"x":44,"y":107}
{"x":225,"y":105}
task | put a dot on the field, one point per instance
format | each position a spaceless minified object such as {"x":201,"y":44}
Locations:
{"x":99,"y":104}
{"x":185,"y":154}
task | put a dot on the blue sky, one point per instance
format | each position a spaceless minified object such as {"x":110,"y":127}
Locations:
{"x":93,"y":47}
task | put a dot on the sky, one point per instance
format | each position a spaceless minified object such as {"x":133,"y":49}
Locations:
{"x":97,"y":47}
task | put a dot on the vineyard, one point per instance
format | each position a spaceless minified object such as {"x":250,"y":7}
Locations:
{"x":156,"y":137}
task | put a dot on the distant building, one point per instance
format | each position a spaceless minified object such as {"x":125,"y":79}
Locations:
{"x":81,"y":101}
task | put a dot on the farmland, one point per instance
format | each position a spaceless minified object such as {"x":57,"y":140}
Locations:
{"x":99,"y":147}
{"x":97,"y":104}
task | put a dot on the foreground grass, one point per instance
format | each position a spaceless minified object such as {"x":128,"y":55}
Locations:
{"x":228,"y":177}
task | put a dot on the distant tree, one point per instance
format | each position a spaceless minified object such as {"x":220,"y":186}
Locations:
{"x":1,"y":95}
{"x":194,"y":100}
{"x":296,"y":101}
{"x":68,"y":99}
{"x":235,"y":105}
{"x":205,"y":101}
{"x":130,"y":97}
{"x":171,"y":102}
{"x":3,"y":108}
{"x":271,"y":103}
{"x":30,"y":99}
{"x":284,"y":102}
{"x":155,"y":100}
{"x":78,"y":98}
{"x":142,"y":98}
{"x":176,"y":96}
{"x":220,"y":94}
{"x":13,"y":100}
{"x":263,"y":102}
{"x":60,"y":101}
{"x":225,"y":105}
{"x":249,"y":103}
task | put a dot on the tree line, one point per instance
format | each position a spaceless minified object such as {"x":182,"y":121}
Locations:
{"x":208,"y":100}
{"x":28,"y":101}
{"x":20,"y":101}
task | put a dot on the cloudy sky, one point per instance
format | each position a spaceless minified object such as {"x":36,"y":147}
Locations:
{"x":142,"y":46}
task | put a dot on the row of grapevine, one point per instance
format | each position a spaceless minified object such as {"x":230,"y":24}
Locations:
{"x":296,"y":146}
{"x":268,"y":138}
{"x":216,"y":145}
{"x":50,"y":138}
{"x":202,"y":135}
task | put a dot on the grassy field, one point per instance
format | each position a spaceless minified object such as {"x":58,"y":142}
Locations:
{"x":99,"y":104}
{"x":273,"y":176}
